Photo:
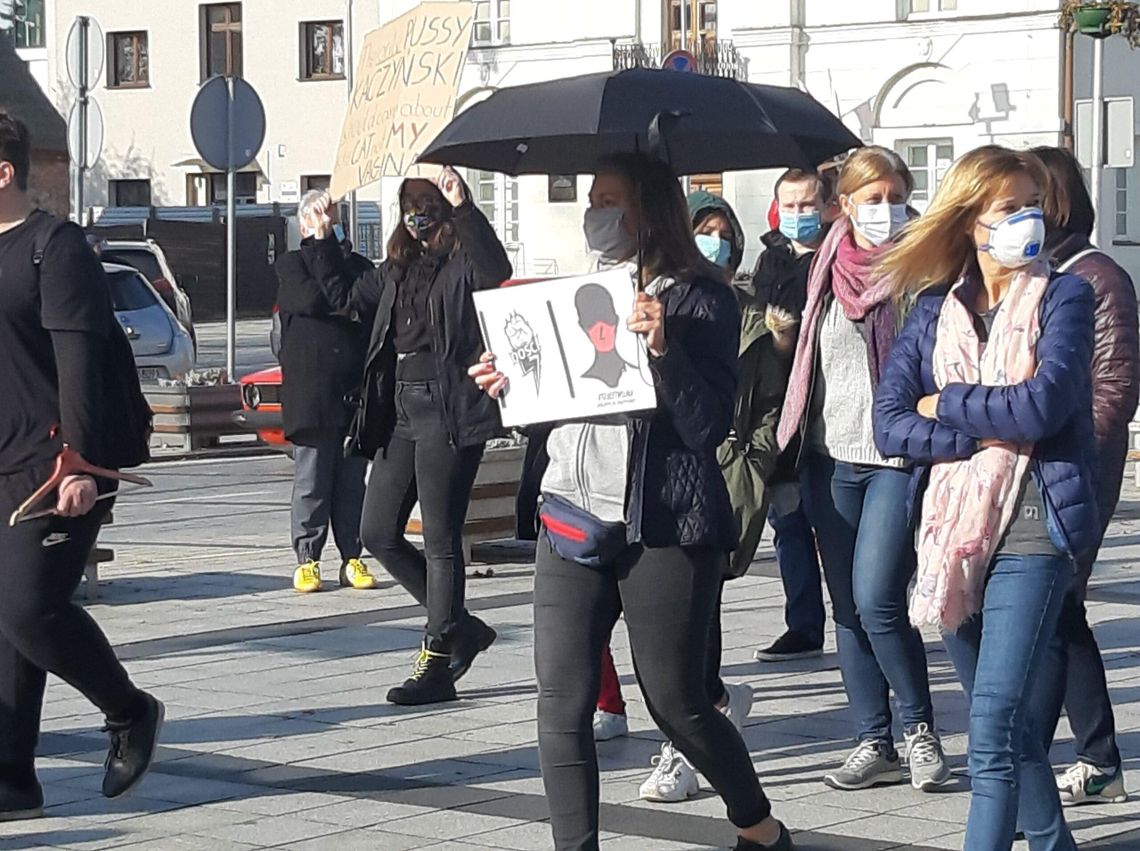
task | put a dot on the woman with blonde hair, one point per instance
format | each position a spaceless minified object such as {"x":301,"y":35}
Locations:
{"x":853,"y":495}
{"x":987,"y":393}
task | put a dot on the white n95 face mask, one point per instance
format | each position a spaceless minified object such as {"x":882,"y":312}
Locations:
{"x":879,"y":222}
{"x":1016,"y":240}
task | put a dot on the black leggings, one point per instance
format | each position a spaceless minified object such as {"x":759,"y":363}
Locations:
{"x":667,"y":597}
{"x":42,"y":630}
{"x":420,"y":463}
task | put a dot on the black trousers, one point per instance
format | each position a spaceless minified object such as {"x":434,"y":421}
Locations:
{"x":1072,"y":674}
{"x":42,"y":630}
{"x":421,"y":464}
{"x":667,"y":597}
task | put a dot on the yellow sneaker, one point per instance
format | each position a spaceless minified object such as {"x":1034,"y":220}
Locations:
{"x":354,"y":573}
{"x":307,"y":578}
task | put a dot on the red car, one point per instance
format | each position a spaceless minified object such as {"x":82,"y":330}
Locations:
{"x":261,"y":408}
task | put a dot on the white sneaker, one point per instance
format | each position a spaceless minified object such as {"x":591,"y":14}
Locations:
{"x":1087,"y":784}
{"x":673,"y":779}
{"x":739,"y":704}
{"x":608,"y":726}
{"x":924,"y":754}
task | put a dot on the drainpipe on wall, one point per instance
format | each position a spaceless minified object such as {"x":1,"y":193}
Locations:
{"x":637,"y":21}
{"x":798,"y":48}
{"x":1067,"y":94}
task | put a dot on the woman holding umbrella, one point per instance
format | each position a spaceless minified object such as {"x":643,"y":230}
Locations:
{"x":667,"y":509}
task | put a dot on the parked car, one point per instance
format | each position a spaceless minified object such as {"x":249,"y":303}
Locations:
{"x":261,"y":408}
{"x":146,"y":256}
{"x":161,"y":345}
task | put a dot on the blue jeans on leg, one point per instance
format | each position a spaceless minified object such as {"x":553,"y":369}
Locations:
{"x":799,"y":572}
{"x":998,"y":656}
{"x":867,"y":545}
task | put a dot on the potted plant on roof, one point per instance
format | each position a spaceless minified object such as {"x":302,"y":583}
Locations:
{"x":1102,"y":18}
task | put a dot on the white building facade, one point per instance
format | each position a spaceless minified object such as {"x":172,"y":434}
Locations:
{"x":930,"y":78}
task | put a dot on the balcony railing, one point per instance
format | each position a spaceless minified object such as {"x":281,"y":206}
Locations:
{"x":715,"y":58}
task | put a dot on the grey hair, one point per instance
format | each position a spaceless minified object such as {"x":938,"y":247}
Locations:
{"x":305,"y":207}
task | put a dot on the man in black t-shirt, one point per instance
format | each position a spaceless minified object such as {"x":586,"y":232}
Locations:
{"x":55,"y":322}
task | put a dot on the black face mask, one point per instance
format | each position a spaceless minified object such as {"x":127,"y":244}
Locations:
{"x":421,"y":223}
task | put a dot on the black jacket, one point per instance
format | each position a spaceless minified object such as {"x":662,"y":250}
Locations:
{"x":321,"y":348}
{"x":780,"y":279}
{"x":479,"y":263}
{"x":677,"y":495}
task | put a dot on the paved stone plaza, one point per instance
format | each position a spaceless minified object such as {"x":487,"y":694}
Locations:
{"x":278,"y":735}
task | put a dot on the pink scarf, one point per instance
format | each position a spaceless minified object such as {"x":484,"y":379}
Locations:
{"x":842,"y":268}
{"x":969,"y":504}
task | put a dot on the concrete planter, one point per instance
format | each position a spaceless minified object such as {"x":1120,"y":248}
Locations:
{"x":188,"y":418}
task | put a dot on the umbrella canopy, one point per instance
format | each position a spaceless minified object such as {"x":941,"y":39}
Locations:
{"x":697,"y":123}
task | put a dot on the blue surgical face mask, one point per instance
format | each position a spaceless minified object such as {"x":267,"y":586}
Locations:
{"x":338,"y":232}
{"x":606,"y":234}
{"x":715,"y":249}
{"x":800,"y":227}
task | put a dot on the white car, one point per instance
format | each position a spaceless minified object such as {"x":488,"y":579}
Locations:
{"x":147,"y":256}
{"x":161,"y":345}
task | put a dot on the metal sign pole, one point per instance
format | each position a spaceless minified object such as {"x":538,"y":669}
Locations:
{"x":84,"y":84}
{"x":1097,"y":165}
{"x":231,"y":243}
{"x":348,"y":71}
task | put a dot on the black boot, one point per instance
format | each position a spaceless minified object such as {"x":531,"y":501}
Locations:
{"x":782,"y":843}
{"x":132,"y":747}
{"x":21,"y":796}
{"x":431,"y":681}
{"x":472,"y":638}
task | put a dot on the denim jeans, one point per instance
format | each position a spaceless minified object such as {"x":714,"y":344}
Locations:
{"x":999,"y":655}
{"x":799,"y":572}
{"x":1073,"y":676}
{"x":867,"y":545}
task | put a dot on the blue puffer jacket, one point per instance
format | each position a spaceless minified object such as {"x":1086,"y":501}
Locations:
{"x":1052,"y":410}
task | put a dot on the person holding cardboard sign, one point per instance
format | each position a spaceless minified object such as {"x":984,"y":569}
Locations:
{"x":421,"y":421}
{"x":637,"y":521}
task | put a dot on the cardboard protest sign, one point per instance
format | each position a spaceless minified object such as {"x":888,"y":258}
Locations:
{"x":565,"y":350}
{"x":404,"y":93}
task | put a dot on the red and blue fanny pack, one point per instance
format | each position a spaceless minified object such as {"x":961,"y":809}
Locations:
{"x":578,"y":536}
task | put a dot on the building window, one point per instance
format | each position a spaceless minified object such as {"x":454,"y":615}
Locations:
{"x":498,"y":197}
{"x":129,"y":193}
{"x":700,"y":22}
{"x":322,"y":50}
{"x":1121,"y":206}
{"x":204,"y":190}
{"x":928,"y":160}
{"x":129,"y":66}
{"x":27,"y":23}
{"x":562,"y":188}
{"x":319,"y":182}
{"x":492,"y":22}
{"x":923,"y":7}
{"x":221,"y":40}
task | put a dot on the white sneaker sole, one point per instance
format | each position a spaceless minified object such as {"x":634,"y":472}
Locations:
{"x":929,"y":784}
{"x":886,"y":778}
{"x":1095,"y":799}
{"x":659,"y":798}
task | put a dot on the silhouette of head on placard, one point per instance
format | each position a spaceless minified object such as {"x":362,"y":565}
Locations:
{"x":599,"y":320}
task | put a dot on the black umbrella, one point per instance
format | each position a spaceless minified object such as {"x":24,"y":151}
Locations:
{"x":697,"y":123}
